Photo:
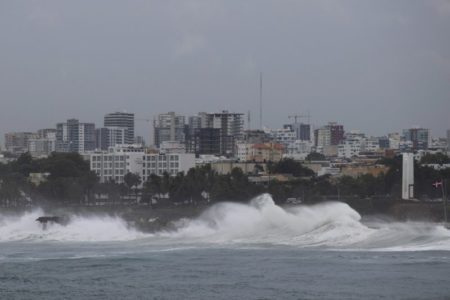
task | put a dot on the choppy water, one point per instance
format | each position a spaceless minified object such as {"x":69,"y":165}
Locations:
{"x":232,"y":251}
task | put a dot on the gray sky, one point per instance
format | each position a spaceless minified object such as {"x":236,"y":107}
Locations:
{"x":378,"y":66}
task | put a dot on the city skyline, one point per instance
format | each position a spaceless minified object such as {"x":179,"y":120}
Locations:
{"x":149,"y":136}
{"x":377,"y":66}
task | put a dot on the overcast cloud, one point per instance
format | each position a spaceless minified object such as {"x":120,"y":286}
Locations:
{"x":377,"y":66}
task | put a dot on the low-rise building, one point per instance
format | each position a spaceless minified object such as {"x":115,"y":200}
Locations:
{"x":225,"y":167}
{"x":299,"y":149}
{"x":358,"y":170}
{"x":172,"y":147}
{"x":259,"y":152}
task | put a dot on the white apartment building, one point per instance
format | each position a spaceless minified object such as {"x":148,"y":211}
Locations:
{"x":350,"y":148}
{"x":160,"y":163}
{"x":112,"y":165}
{"x":284,"y":136}
{"x":355,"y":143}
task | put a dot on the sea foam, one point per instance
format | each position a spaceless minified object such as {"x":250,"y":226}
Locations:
{"x":260,"y":222}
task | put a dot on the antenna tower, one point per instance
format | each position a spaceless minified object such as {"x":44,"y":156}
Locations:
{"x":260,"y":100}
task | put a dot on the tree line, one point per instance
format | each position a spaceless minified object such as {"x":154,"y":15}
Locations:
{"x":70,"y":182}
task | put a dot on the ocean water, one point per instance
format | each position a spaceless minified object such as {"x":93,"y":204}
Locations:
{"x":233,"y":251}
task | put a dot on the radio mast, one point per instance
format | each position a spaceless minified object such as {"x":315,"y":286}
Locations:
{"x":260,"y":101}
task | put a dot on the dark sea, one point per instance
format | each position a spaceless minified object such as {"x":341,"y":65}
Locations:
{"x":232,"y":251}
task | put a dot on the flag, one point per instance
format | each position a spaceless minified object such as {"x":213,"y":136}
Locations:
{"x":437,"y":184}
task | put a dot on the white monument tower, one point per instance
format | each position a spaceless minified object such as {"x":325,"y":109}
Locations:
{"x":408,"y":176}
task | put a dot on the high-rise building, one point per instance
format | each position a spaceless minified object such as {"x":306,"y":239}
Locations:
{"x":169,"y":127}
{"x":419,"y":137}
{"x":214,"y":133}
{"x":302,"y":131}
{"x":322,"y":137}
{"x":139,"y":140}
{"x":329,"y":135}
{"x":336,"y":133}
{"x":74,"y":136}
{"x":231,"y":127}
{"x":284,"y":136}
{"x":43,"y":144}
{"x":205,"y":141}
{"x":122,"y":120}
{"x":109,"y":137}
{"x":47,"y":133}
{"x":17,"y":142}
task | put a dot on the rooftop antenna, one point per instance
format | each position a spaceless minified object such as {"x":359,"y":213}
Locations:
{"x":260,"y":100}
{"x":248,"y":121}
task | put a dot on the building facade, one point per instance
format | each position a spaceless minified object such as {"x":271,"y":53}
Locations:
{"x":419,"y":137}
{"x":169,"y":127}
{"x":205,"y":141}
{"x":302,"y":131}
{"x":230,"y":127}
{"x":74,"y":136}
{"x":172,"y":164}
{"x":284,"y":136}
{"x":114,"y":164}
{"x":110,"y":136}
{"x":246,"y":152}
{"x":17,"y":142}
{"x":121,"y":120}
{"x":329,"y":135}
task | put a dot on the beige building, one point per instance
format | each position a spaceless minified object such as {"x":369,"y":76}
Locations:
{"x":260,"y":152}
{"x":355,"y":171}
{"x":225,"y":167}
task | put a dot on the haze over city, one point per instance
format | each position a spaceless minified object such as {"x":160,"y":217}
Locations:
{"x":377,"y":66}
{"x":224,"y":149}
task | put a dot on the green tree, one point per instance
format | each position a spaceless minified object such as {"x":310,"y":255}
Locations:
{"x":290,"y":166}
{"x":315,"y":156}
{"x":437,"y":158}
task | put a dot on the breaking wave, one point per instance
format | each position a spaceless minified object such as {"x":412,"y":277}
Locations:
{"x":260,"y":222}
{"x":330,"y":225}
{"x":79,"y":229}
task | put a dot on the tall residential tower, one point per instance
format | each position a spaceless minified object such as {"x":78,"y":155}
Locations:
{"x":121,"y":120}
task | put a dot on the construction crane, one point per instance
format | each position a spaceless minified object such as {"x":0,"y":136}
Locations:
{"x":296,"y":117}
